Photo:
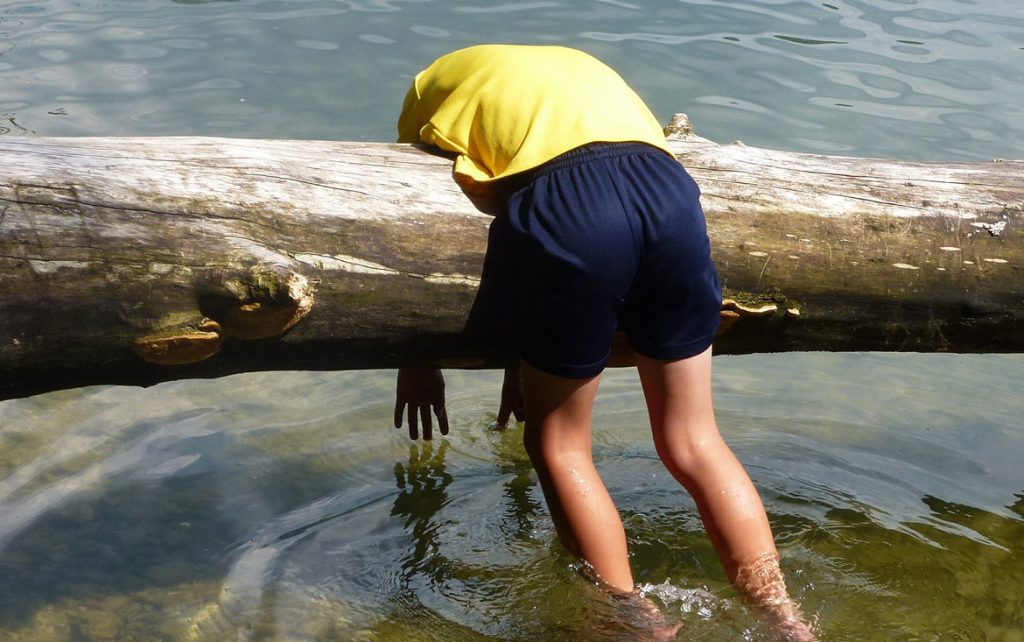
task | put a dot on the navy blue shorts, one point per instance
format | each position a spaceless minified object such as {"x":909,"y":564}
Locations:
{"x":607,"y":236}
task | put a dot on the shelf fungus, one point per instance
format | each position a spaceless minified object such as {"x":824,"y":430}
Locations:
{"x":725,"y":320}
{"x":732,"y":311}
{"x":181,"y":347}
{"x":253,"y":321}
{"x":746,"y":310}
{"x":249,"y":321}
{"x":266,"y":320}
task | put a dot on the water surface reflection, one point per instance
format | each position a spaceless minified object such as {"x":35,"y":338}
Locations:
{"x":211,"y":509}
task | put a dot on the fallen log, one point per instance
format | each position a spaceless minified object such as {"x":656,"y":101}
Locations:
{"x":139,"y":260}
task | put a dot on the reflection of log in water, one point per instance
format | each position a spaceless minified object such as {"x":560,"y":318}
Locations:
{"x":134,"y":260}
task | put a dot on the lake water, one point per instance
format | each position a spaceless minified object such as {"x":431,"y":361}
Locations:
{"x":212,"y":510}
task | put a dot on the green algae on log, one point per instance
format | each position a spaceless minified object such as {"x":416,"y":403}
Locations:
{"x":341,"y":255}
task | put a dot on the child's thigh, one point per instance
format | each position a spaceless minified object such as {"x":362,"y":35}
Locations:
{"x":672,"y":308}
{"x":573,"y":266}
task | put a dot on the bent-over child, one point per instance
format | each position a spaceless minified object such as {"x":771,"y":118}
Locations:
{"x":602,"y":230}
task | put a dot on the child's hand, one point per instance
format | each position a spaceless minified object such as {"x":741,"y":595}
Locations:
{"x":420,"y":389}
{"x":512,"y":402}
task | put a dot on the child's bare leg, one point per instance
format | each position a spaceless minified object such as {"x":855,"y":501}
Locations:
{"x":557,"y":438}
{"x":678,"y":395}
{"x":686,"y":436}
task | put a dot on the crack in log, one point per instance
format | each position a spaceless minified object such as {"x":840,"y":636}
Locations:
{"x":448,"y":279}
{"x":896,"y":181}
{"x":182,"y":214}
{"x":822,"y":195}
{"x":290,"y":179}
{"x":344,"y":263}
{"x":801,"y":168}
{"x":67,"y":150}
{"x":356,"y":265}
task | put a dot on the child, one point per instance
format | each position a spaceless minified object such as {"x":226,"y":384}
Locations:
{"x":602,"y":231}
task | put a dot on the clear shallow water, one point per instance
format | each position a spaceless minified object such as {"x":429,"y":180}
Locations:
{"x":283,"y":506}
{"x":271,"y":506}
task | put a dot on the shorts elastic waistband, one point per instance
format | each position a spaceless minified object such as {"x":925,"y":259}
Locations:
{"x":592,"y":151}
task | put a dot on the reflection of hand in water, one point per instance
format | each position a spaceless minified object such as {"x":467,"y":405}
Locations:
{"x":423,"y":483}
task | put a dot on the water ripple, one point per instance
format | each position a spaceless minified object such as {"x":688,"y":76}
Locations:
{"x":507,"y":7}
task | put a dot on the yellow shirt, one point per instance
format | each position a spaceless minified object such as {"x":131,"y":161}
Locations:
{"x":505,"y":109}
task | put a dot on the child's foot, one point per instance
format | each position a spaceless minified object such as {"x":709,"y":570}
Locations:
{"x":644,"y":616}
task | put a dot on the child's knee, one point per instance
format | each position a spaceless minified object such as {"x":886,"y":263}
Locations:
{"x":554,"y":456}
{"x":689,"y":454}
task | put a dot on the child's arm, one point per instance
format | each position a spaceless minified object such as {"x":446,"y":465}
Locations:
{"x":420,"y":390}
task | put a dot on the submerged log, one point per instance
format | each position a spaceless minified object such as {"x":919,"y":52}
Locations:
{"x":139,"y":260}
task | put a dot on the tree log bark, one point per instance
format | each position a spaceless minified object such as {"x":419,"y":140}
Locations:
{"x":138,"y":260}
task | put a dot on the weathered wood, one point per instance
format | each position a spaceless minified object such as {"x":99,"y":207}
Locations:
{"x":331,"y":255}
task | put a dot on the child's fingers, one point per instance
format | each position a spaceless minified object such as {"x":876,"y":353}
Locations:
{"x":503,"y":413}
{"x":428,"y":429}
{"x":399,"y":408}
{"x":442,"y":420}
{"x":413,"y":424}
{"x":416,"y":414}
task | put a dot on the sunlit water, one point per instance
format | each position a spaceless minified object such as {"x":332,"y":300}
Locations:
{"x":283,"y":506}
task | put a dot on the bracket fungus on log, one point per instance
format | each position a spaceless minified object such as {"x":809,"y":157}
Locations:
{"x":186,"y":346}
{"x":285,"y":302}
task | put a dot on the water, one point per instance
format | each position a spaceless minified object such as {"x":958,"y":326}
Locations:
{"x":283,"y":506}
